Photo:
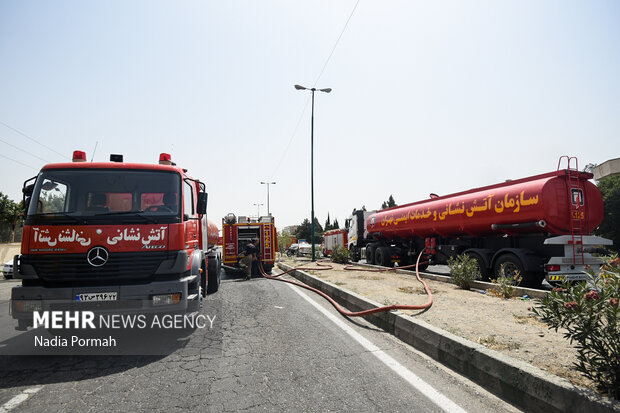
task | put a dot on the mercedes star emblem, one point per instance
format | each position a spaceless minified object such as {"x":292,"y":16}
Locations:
{"x":97,"y":256}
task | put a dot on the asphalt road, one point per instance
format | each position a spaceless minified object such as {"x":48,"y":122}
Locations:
{"x":272,"y":348}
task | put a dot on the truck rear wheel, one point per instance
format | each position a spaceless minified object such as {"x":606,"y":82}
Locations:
{"x":508,"y":266}
{"x":383,"y":256}
{"x":484,"y":274}
{"x":513,"y":266}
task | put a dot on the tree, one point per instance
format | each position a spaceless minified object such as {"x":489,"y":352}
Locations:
{"x":335,"y":224}
{"x":305,"y":231}
{"x":610,"y":226}
{"x":284,"y":241}
{"x":389,"y":203}
{"x":10,"y":215}
{"x":328,"y":225}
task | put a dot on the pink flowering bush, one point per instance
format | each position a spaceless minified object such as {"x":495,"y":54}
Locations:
{"x":588,"y":311}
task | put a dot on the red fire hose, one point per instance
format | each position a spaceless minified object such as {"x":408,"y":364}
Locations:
{"x":345,"y":312}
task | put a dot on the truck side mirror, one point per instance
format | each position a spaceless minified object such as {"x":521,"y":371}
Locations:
{"x":27,"y":190}
{"x":201,"y":204}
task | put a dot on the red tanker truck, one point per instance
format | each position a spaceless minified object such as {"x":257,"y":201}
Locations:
{"x":538,"y":226}
{"x":127,"y":236}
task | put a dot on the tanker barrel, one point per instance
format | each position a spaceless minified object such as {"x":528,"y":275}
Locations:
{"x":542,"y":223}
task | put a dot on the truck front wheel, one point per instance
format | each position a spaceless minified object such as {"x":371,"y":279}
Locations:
{"x":213,"y":274}
{"x":203,"y":280}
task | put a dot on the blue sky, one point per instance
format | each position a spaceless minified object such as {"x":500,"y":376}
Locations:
{"x":427,"y":96}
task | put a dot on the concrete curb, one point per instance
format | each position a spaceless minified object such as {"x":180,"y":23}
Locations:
{"x":527,"y":387}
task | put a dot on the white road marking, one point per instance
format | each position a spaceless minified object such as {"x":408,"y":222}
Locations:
{"x":19,"y":399}
{"x":426,"y":389}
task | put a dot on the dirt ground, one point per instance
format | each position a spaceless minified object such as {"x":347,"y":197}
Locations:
{"x":504,"y":325}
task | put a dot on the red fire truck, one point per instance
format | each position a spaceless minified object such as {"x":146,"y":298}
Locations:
{"x":237,"y":233}
{"x":133,"y":235}
{"x":334,"y":238}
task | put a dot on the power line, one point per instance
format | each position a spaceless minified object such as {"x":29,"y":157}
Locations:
{"x":33,"y":139}
{"x":336,"y":44}
{"x":21,"y":163}
{"x":20,"y":149}
{"x":303,"y":112}
{"x":315,"y":83}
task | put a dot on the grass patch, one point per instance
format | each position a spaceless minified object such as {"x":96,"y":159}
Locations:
{"x":494,"y":344}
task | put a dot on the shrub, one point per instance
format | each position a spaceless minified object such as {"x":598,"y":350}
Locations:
{"x":588,"y":310}
{"x":504,"y":286}
{"x":340,"y":255}
{"x":464,"y":270}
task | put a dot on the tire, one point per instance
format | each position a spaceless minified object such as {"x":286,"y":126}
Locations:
{"x":383,"y":256}
{"x":354,"y":253}
{"x":511,"y":263}
{"x":370,"y":254}
{"x":267,"y":269}
{"x":203,"y":280}
{"x":7,"y":275}
{"x":213,"y":275}
{"x":484,"y":273}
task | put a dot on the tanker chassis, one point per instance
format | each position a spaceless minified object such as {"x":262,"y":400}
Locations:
{"x":537,"y":226}
{"x":119,"y":236}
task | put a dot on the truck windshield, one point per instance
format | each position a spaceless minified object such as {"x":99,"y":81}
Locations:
{"x":98,"y":195}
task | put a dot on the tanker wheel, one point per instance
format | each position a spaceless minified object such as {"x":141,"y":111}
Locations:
{"x":383,"y":257}
{"x":484,"y":274}
{"x":370,"y":254}
{"x":512,"y":267}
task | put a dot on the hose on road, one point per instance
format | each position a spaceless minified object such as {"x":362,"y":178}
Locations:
{"x":340,"y":309}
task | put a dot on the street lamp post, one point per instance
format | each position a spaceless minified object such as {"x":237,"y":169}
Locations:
{"x":258,"y":210}
{"x":268,"y":183}
{"x":326,"y":90}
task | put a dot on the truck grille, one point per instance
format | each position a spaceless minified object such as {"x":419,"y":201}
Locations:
{"x":75,"y":267}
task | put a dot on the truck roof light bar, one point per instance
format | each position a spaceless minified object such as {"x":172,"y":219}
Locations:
{"x":116,"y":158}
{"x":79,"y":156}
{"x":165,"y":159}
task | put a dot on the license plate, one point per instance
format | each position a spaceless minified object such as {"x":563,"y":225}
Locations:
{"x":96,"y":296}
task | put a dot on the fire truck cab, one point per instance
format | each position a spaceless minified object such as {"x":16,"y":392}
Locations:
{"x":129,"y":236}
